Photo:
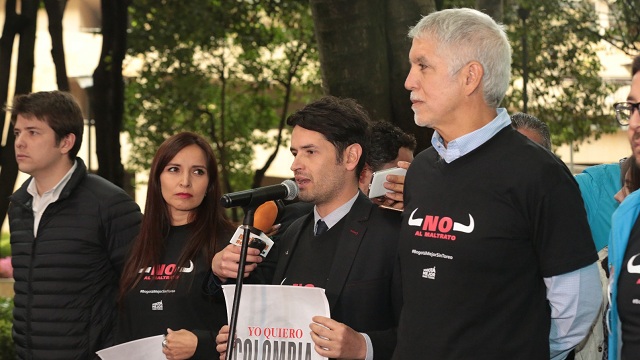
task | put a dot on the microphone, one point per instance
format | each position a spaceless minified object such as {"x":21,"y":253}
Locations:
{"x":288,"y":190}
{"x":265,"y":216}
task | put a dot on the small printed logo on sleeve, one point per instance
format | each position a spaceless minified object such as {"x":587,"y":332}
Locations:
{"x":157,"y":305}
{"x":429,"y":273}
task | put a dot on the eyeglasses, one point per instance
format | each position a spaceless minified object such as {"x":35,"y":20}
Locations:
{"x":624,"y":110}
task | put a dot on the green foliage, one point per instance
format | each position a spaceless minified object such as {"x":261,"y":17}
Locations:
{"x":223,"y":69}
{"x":226,"y":68}
{"x":7,"y":351}
{"x":624,"y":24}
{"x":564,"y":86}
{"x":564,"y":89}
{"x":5,"y":245}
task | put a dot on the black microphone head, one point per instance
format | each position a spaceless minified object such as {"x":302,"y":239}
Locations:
{"x":292,"y":189}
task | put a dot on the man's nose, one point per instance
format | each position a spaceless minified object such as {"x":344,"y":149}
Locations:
{"x":409,"y":82}
{"x":295,"y":165}
{"x":19,"y":142}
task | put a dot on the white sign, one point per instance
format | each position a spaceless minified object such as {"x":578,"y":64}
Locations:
{"x":141,"y":349}
{"x":273,"y":321}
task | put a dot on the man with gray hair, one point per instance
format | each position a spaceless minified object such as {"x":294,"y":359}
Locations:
{"x":495,"y":252}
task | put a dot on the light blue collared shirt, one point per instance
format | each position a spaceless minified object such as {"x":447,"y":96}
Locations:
{"x":336,"y":215}
{"x":463,"y":145}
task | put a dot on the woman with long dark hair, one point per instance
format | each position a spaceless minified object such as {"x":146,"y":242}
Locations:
{"x":169,"y":264}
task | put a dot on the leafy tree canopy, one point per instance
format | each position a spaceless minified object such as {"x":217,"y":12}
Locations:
{"x":227,"y":68}
{"x":223,"y":69}
{"x":624,"y":24}
{"x":565,"y":87}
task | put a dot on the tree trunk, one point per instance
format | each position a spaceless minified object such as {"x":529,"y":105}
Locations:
{"x":8,"y":165}
{"x":55,"y":11}
{"x":107,"y":97}
{"x":352,"y":46}
{"x":364,"y":51}
{"x":10,"y":28}
{"x":402,"y":15}
{"x":26,"y":58}
{"x":26,"y":22}
{"x":493,"y":8}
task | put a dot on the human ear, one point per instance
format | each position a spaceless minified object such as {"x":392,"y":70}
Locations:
{"x":352,"y":154}
{"x":473,"y":73}
{"x":67,"y":142}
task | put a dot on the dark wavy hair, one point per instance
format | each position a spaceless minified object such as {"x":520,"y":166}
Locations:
{"x":208,"y":223}
{"x":386,"y":140}
{"x":342,"y":122}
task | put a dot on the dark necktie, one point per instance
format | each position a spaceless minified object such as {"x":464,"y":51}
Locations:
{"x":321,"y":227}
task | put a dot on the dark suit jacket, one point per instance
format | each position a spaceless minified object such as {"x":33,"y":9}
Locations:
{"x":289,"y":214}
{"x":361,"y":289}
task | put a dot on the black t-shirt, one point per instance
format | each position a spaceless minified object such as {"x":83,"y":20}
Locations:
{"x":153,"y":306}
{"x":313,"y":256}
{"x":478,"y":236}
{"x":629,"y":296}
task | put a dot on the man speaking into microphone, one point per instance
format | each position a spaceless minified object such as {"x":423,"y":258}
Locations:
{"x":347,"y":245}
{"x":288,"y":190}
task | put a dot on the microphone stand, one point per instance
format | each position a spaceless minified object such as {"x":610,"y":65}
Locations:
{"x":249,"y":211}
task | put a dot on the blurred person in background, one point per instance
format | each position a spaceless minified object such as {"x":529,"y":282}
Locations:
{"x":624,"y":243}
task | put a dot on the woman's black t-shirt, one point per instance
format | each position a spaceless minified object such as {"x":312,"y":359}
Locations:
{"x":158,"y":303}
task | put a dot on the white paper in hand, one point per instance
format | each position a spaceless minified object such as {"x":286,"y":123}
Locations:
{"x":273,"y":321}
{"x":142,"y":349}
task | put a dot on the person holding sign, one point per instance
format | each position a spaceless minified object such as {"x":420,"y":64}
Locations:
{"x":182,"y":228}
{"x":347,"y":245}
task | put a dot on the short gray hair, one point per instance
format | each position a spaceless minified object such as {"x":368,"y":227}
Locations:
{"x":466,"y":35}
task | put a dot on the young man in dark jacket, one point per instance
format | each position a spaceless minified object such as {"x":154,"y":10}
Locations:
{"x":346,"y":244}
{"x":70,"y":232}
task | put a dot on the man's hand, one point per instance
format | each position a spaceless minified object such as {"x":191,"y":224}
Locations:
{"x":336,"y":340}
{"x":394,"y":183}
{"x":222,"y":340}
{"x":181,"y":344}
{"x":225,"y":263}
{"x":273,"y":230}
